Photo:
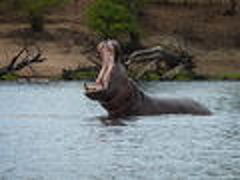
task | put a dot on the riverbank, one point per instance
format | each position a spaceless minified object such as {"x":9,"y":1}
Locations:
{"x":205,"y":32}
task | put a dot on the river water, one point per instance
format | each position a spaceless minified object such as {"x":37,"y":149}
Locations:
{"x":53,"y":132}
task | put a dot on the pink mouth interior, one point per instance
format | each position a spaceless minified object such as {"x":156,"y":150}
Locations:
{"x":104,"y":76}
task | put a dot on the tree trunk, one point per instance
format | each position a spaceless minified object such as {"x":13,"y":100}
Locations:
{"x":232,"y":10}
{"x":135,"y":42}
{"x":36,"y":22}
{"x":233,"y":7}
{"x":173,"y":62}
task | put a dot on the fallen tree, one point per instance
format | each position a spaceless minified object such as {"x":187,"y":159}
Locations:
{"x":24,"y":58}
{"x":168,"y":64}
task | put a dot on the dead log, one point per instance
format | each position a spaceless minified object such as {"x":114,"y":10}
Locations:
{"x":152,"y":57}
{"x":173,"y":72}
{"x":145,"y":69}
{"x":25,"y":58}
{"x":161,"y":54}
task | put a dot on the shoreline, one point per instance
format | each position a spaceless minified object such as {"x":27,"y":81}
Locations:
{"x":91,"y":77}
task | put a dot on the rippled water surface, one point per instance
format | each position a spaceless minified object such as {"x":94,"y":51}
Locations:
{"x":53,"y":132}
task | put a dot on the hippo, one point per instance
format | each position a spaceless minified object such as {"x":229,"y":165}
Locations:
{"x":120,"y":96}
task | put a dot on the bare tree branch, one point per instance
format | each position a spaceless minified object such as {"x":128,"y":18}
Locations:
{"x":173,"y":72}
{"x":175,"y":61}
{"x":159,"y":53}
{"x":24,"y":58}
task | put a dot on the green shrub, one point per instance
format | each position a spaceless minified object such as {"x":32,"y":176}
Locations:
{"x":110,"y":19}
{"x":79,"y":74}
{"x":34,"y":10}
{"x":184,"y":76}
{"x":151,"y":76}
{"x":227,"y":76}
{"x":9,"y":77}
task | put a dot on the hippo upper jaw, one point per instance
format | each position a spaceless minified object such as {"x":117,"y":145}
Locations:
{"x":98,"y":89}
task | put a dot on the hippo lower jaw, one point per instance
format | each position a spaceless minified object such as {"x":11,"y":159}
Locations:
{"x":98,"y":89}
{"x":93,"y":88}
{"x":100,"y":84}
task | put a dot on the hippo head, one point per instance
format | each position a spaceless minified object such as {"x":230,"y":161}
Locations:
{"x":111,"y":75}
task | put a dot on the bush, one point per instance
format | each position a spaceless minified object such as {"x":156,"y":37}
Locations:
{"x":34,"y":10}
{"x":9,"y":77}
{"x":116,"y":19}
{"x":110,"y":19}
{"x":79,"y":74}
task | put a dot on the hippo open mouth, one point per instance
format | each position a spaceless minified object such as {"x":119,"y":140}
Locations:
{"x":106,"y":52}
{"x":102,"y":81}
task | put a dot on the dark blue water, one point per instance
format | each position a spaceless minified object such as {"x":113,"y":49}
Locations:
{"x":53,"y":132}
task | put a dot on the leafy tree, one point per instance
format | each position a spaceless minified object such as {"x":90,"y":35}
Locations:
{"x":135,"y":6}
{"x":34,"y":10}
{"x":115,"y":18}
{"x":110,"y":19}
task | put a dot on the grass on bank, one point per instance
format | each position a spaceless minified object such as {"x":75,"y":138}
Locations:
{"x":9,"y":77}
{"x":79,"y":74}
{"x":226,"y":76}
{"x":153,"y":76}
{"x":149,"y":76}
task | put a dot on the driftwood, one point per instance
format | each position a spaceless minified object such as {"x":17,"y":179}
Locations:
{"x":25,"y":58}
{"x":146,"y":68}
{"x":173,"y":72}
{"x":175,"y":62}
{"x":158,"y":52}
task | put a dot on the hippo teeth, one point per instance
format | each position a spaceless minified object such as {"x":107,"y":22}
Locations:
{"x":94,"y":87}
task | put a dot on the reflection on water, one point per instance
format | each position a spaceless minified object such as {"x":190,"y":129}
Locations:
{"x":53,"y":131}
